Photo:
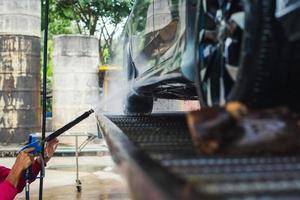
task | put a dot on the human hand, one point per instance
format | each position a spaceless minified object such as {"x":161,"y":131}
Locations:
{"x":50,"y":149}
{"x":23,"y":161}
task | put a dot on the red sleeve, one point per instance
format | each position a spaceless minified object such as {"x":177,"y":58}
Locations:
{"x":3,"y":173}
{"x":36,"y":170}
{"x":7,"y":191}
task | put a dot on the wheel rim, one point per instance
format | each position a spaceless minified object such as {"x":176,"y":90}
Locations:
{"x":221,"y":25}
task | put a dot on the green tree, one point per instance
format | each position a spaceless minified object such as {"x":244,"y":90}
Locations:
{"x":57,"y":23}
{"x":94,"y":17}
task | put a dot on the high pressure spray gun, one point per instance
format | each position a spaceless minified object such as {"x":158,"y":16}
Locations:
{"x":36,"y":144}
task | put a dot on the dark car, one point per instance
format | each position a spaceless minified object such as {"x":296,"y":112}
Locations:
{"x":211,"y":50}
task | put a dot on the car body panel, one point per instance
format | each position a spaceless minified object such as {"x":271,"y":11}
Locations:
{"x":161,"y":48}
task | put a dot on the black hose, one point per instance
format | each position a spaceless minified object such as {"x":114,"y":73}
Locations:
{"x":27,"y":191}
{"x":42,"y":173}
{"x":44,"y":88}
{"x":28,"y":176}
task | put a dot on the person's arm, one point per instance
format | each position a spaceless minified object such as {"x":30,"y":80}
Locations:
{"x":11,"y":185}
{"x":7,"y":191}
{"x":10,"y":190}
{"x":4,"y":171}
{"x":36,"y":166}
{"x":8,"y":187}
{"x":12,"y":181}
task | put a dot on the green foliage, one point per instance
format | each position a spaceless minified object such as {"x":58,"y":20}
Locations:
{"x":93,"y":17}
{"x":57,"y":23}
{"x":89,"y":13}
{"x":105,"y":55}
{"x":50,"y":60}
{"x":49,"y":74}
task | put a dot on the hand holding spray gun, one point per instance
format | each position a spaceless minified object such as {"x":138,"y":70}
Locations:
{"x":35,"y":146}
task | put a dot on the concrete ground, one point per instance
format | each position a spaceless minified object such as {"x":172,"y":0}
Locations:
{"x":99,"y":177}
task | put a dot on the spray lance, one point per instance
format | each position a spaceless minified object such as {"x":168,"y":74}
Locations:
{"x":38,"y":144}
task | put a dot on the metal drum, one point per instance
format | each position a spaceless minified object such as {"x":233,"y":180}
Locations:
{"x":19,"y":87}
{"x":20,"y":17}
{"x":75,"y":82}
{"x":19,"y":69}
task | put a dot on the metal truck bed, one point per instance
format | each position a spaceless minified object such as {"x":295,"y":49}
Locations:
{"x":157,"y":156}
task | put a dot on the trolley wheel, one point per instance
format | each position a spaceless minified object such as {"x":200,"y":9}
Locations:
{"x":78,"y":185}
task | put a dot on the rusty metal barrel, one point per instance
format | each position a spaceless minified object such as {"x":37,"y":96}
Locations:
{"x":19,"y":69}
{"x":75,"y":81}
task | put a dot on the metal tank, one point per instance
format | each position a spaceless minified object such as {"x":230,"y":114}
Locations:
{"x":19,"y":69}
{"x":75,"y":82}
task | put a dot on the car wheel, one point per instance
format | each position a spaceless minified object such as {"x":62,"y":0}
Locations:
{"x":138,"y":105}
{"x":244,"y":54}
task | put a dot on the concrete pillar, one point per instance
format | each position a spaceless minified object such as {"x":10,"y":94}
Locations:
{"x":20,"y":17}
{"x":75,"y":82}
{"x":19,"y":69}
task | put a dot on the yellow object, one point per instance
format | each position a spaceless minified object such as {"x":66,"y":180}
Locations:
{"x":236,"y":109}
{"x":109,"y":67}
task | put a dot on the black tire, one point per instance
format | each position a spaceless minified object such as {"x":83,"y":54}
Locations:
{"x":268,"y":72}
{"x":138,"y":105}
{"x":291,"y":93}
